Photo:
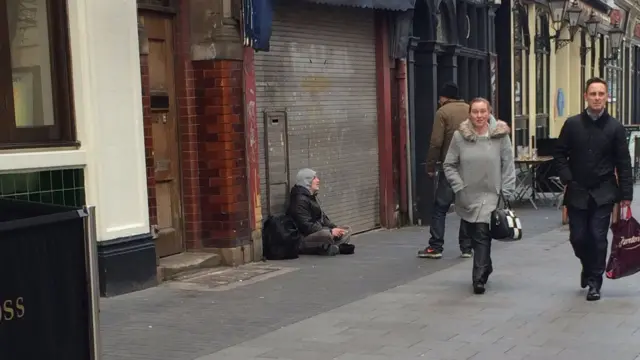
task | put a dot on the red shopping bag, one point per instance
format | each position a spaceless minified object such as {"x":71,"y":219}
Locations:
{"x":625,"y":247}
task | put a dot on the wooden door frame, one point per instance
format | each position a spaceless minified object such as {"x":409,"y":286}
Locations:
{"x":170,"y":13}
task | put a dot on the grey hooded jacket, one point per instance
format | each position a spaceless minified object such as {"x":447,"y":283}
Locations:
{"x":478,"y":168}
{"x":304,"y":208}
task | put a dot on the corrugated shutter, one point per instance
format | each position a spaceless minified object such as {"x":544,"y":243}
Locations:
{"x":320,"y":70}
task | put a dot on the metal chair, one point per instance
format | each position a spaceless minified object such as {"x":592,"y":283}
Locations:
{"x":558,"y":191}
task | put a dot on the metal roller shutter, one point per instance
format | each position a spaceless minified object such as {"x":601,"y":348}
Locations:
{"x":316,"y":93}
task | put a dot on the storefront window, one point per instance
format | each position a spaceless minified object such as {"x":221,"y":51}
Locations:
{"x":615,"y":81}
{"x":583,"y":64}
{"x":34,"y":63}
{"x":541,"y":48}
{"x":521,"y":75}
{"x":626,"y":87}
{"x":635,"y":84}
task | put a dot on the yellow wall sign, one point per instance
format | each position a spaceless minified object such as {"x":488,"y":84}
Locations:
{"x":12,"y":309}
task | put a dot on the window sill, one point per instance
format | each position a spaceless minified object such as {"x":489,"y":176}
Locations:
{"x":37,"y":146}
{"x":41,"y":158}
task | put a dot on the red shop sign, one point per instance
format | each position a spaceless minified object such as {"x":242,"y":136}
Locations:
{"x":636,"y":30}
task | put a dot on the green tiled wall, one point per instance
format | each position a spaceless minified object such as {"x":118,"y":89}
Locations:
{"x":60,"y":187}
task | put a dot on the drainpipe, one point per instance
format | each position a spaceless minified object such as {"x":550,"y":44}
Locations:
{"x":401,"y":83}
{"x":411,"y":128}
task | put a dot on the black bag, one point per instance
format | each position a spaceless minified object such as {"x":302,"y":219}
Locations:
{"x":280,"y":238}
{"x":504,"y":225}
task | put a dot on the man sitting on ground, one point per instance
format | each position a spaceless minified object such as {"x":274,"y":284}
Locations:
{"x":320,"y":235}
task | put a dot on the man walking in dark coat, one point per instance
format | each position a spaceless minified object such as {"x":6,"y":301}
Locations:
{"x":592,"y":147}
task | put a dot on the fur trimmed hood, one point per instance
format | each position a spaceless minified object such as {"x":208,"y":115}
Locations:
{"x":497,"y":129}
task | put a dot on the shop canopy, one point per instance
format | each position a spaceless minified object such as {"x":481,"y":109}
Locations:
{"x":395,"y":5}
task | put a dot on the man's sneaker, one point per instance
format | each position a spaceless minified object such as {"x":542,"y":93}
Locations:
{"x":466,"y":255}
{"x":430,"y":253}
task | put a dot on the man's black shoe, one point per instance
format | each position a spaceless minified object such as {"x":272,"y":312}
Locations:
{"x":347,"y":249}
{"x":593,"y":294}
{"x":583,"y":280}
{"x":478,"y":288}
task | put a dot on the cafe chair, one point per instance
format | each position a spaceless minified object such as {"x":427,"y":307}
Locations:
{"x":557,"y":189}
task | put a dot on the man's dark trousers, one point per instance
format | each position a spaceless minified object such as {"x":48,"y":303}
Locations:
{"x":444,"y":197}
{"x":588,"y":229}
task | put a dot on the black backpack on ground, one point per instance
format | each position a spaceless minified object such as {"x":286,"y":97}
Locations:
{"x":280,"y":238}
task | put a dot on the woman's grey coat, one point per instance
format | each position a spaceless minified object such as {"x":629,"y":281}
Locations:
{"x":478,"y":168}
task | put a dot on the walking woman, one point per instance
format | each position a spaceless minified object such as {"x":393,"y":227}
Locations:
{"x":479,"y":165}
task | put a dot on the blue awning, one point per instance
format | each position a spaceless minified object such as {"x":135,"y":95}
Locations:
{"x":395,"y":5}
{"x":258,"y":16}
{"x":257,"y":21}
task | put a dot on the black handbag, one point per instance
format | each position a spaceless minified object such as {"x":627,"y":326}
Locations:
{"x":504,"y":225}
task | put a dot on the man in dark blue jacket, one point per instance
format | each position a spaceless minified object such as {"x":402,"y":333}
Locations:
{"x":592,"y":148}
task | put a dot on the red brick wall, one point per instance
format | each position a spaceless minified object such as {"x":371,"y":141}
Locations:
{"x":222,"y":163}
{"x":212,"y":142}
{"x":148,"y":140}
{"x":188,"y":120}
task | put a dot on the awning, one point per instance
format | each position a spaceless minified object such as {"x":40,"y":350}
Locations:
{"x":258,"y":16}
{"x":395,"y":5}
{"x":599,"y":5}
{"x":598,"y":8}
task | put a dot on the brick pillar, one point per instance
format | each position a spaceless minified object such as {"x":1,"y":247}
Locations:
{"x":189,"y":141}
{"x":253,"y":152}
{"x":385,"y":143}
{"x":222,"y":162}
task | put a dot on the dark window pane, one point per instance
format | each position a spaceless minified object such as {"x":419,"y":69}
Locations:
{"x":35,"y":74}
{"x":539,"y":83}
{"x":518,"y":82}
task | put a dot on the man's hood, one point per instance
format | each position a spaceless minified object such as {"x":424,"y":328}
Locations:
{"x":305,"y":177}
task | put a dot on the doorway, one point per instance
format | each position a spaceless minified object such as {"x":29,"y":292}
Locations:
{"x":164,"y":132}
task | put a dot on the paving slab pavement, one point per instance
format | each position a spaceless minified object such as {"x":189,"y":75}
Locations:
{"x":533,"y":309}
{"x":384,"y":303}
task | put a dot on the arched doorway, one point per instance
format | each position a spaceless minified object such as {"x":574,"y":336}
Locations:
{"x":453,"y":44}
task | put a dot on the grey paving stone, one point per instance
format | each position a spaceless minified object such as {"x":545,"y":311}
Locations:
{"x":206,"y":322}
{"x":326,"y":354}
{"x":389,"y":305}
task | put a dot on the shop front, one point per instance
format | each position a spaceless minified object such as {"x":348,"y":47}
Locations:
{"x":557,"y":47}
{"x":318,"y":97}
{"x":316,"y":91}
{"x":615,"y":64}
{"x":72,"y":132}
{"x":460,"y":47}
{"x":634,"y":40}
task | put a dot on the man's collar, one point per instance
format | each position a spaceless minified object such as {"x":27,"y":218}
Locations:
{"x":593,"y":115}
{"x":449,"y":101}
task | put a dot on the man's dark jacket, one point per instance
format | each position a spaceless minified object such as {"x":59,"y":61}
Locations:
{"x":306,"y":212}
{"x":587,"y":156}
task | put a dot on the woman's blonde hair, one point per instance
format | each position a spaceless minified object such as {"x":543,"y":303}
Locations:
{"x":483,"y":100}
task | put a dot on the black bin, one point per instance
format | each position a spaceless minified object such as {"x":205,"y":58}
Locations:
{"x":44,"y":288}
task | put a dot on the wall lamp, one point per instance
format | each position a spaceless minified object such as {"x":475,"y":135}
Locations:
{"x":564,"y":13}
{"x":616,"y":34}
{"x":592,"y":30}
